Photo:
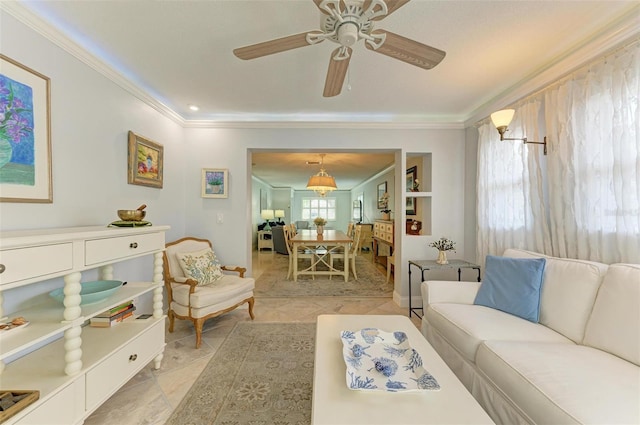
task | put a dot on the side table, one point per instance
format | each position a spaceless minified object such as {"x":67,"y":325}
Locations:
{"x":265,"y":240}
{"x":426,"y":265}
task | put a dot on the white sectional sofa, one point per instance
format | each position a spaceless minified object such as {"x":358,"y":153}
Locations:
{"x":579,"y":365}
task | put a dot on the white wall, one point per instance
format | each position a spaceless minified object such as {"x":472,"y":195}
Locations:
{"x":90,"y":118}
{"x":230,"y":148}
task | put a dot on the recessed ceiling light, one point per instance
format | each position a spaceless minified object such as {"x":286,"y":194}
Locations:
{"x":194,"y":107}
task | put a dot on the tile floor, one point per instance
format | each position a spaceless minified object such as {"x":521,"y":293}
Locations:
{"x":151,"y":395}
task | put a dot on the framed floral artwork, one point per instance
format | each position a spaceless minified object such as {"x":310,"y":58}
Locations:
{"x":25,"y":134}
{"x":215,"y":183}
{"x":146,"y":162}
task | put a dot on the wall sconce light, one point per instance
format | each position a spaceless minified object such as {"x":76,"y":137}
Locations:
{"x":502,"y":119}
{"x":267,"y":215}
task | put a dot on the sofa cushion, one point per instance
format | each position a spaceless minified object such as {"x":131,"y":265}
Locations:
{"x":569,"y":290}
{"x":614,"y":325}
{"x":563,"y":383}
{"x":512,"y":285}
{"x":466,"y":326}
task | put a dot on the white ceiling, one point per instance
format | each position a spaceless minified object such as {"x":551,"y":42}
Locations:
{"x":180,"y":53}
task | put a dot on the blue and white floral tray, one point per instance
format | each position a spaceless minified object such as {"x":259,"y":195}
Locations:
{"x":383,"y":361}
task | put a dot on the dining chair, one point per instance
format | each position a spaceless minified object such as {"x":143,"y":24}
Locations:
{"x":350,"y":228}
{"x":302,"y":253}
{"x":349,"y":255}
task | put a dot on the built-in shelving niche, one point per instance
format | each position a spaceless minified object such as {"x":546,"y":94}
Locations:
{"x":418,"y":203}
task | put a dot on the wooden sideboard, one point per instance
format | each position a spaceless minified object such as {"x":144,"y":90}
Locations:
{"x":382,"y":236}
{"x":76,"y":367}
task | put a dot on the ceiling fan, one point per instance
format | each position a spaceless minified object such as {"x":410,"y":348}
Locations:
{"x":345,"y":22}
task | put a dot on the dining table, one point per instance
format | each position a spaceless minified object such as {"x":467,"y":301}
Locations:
{"x":323,"y":245}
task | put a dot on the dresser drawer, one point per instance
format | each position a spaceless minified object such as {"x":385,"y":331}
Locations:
{"x":104,"y":250}
{"x":37,"y":261}
{"x":64,"y":408}
{"x":119,"y":367}
{"x":388,"y":228}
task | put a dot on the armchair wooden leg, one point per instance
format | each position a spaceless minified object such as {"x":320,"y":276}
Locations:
{"x":198,"y":323}
{"x":251,"y":301}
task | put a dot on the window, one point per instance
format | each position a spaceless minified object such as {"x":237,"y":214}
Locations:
{"x":319,"y":207}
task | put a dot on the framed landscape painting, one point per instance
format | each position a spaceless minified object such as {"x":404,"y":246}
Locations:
{"x":25,"y":134}
{"x":145,"y":162}
{"x":215,"y":183}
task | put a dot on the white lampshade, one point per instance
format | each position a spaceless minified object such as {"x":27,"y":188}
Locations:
{"x":279,"y":213}
{"x":502,"y":118}
{"x":267,"y":214}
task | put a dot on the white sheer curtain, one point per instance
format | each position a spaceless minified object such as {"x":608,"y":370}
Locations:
{"x":582,"y":200}
{"x":510,"y":205}
{"x":594,"y":160}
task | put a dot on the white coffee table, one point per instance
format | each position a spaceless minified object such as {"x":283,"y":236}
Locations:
{"x":335,"y":404}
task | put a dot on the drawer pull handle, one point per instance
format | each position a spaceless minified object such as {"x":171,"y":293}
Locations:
{"x":133,"y":245}
{"x":2,"y":268}
{"x":133,"y":357}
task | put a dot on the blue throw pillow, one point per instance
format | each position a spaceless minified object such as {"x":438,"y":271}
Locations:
{"x":512,"y":285}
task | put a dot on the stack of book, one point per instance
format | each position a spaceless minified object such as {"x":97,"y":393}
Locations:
{"x":113,"y":316}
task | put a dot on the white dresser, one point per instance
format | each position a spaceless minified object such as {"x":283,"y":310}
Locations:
{"x":76,"y":368}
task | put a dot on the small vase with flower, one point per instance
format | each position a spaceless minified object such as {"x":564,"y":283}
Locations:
{"x":443,"y":245}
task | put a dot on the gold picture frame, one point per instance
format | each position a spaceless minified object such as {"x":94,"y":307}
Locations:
{"x":215,"y":183}
{"x":145,"y":162}
{"x":25,"y":149}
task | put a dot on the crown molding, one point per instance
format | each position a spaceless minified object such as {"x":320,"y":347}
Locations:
{"x":39,"y":25}
{"x":619,"y":32}
{"x":250,"y":121}
{"x":309,"y":123}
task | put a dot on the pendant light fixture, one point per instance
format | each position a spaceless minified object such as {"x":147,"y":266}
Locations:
{"x":322,"y":183}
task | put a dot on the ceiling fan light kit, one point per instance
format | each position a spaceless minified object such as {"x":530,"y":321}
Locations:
{"x":345,"y":22}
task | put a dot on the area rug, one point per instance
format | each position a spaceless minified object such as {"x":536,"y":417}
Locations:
{"x":371,"y":281}
{"x":262,"y":374}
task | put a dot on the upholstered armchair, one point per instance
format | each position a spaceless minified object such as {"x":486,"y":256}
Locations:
{"x":198,"y":287}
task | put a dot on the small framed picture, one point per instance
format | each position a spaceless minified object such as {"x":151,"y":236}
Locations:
{"x":146,"y":162}
{"x":411,"y":206}
{"x":215,"y":183}
{"x":382,"y":189}
{"x":410,"y":186}
{"x":412,"y":176}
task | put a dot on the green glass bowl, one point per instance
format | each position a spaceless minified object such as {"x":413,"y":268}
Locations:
{"x":91,"y":292}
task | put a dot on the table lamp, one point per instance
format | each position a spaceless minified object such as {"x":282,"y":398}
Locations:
{"x":267,"y":215}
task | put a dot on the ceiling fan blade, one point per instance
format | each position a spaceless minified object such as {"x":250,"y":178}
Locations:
{"x":336,"y":73}
{"x":407,"y":50}
{"x":392,"y":6}
{"x":272,"y":46}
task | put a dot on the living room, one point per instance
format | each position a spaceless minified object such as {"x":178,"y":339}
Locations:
{"x":92,"y":109}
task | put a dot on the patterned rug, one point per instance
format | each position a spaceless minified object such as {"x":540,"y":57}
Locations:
{"x":371,"y":281}
{"x":262,"y":374}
